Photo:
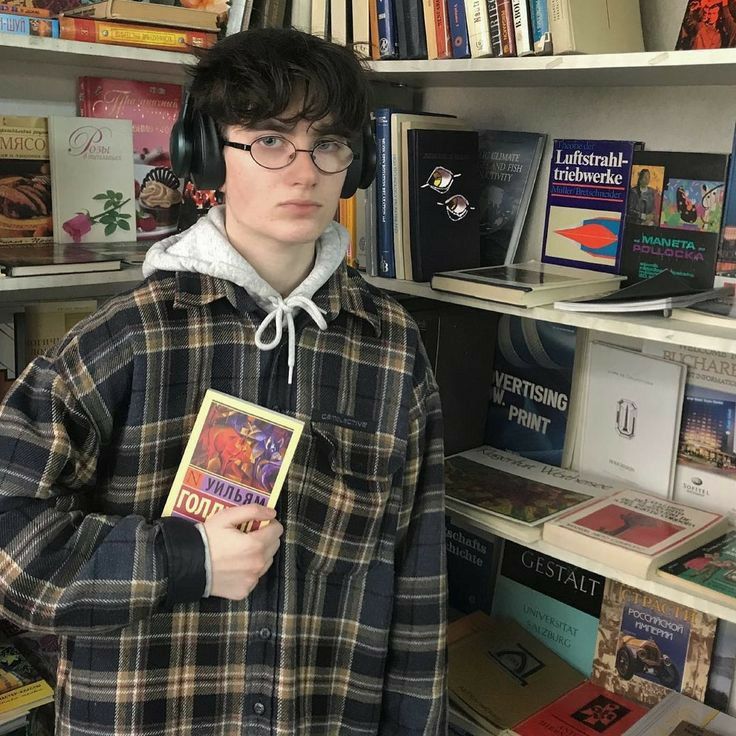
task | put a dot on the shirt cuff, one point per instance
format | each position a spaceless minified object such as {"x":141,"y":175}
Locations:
{"x":207,"y":561}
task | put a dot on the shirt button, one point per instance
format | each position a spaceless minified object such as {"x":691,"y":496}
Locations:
{"x":259,"y":709}
{"x":265,"y":633}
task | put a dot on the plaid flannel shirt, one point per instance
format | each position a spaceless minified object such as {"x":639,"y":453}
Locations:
{"x":346,"y":632}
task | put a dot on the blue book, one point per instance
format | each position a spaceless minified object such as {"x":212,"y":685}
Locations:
{"x":555,"y":601}
{"x":458,"y":29}
{"x":388,"y":40}
{"x":530,"y":390}
{"x":25,"y":25}
{"x":541,"y":37}
{"x":586,"y":203}
{"x":384,"y":195}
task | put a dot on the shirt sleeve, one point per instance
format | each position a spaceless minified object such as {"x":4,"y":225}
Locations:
{"x":415,"y":690}
{"x":67,"y":565}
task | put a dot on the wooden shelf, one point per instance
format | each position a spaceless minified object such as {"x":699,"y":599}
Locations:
{"x":654,"y":586}
{"x":648,"y":326}
{"x":94,"y":57}
{"x":651,"y":68}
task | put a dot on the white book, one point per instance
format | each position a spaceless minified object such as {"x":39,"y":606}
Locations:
{"x":92,"y":181}
{"x":339,"y":21}
{"x":479,"y":31}
{"x":361,"y":27}
{"x":301,"y":15}
{"x":522,"y":28}
{"x":705,"y":471}
{"x":631,"y":421}
{"x":320,"y":18}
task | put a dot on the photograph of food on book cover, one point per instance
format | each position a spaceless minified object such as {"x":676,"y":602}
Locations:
{"x":556,"y":601}
{"x":586,"y":202}
{"x":706,"y":453}
{"x":532,"y":379}
{"x":236,"y":455}
{"x":673,"y":221}
{"x":648,"y":646}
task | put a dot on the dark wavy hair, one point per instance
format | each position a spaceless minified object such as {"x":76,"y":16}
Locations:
{"x":256,"y":75}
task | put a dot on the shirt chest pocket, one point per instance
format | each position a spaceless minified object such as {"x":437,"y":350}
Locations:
{"x":342,"y":481}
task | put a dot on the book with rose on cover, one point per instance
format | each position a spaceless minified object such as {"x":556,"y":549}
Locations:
{"x":238,"y":453}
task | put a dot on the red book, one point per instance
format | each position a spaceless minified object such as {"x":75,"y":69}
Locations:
{"x":587,"y":710}
{"x":506,"y":20}
{"x":442,"y":29}
{"x":153,"y":108}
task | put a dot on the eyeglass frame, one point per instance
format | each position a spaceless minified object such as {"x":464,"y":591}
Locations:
{"x":248,"y":146}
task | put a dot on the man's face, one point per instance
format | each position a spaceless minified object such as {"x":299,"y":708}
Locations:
{"x":278,"y":207}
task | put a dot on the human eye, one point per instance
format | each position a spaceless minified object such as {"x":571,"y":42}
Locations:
{"x":272,"y":142}
{"x":329,"y":145}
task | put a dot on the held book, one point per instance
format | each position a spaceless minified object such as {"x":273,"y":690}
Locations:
{"x":512,"y":493}
{"x":649,"y":646}
{"x":529,"y":284}
{"x":237,"y":453}
{"x":587,"y":710}
{"x":634,"y":531}
{"x":673,"y":220}
{"x":631,"y":419}
{"x":509,"y":164}
{"x":586,"y":202}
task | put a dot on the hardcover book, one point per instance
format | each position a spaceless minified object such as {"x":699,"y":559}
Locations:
{"x":21,"y":686}
{"x":529,"y":284}
{"x":631,"y":418}
{"x":444,"y":189}
{"x":559,"y":603}
{"x":25,"y":181}
{"x":510,"y":488}
{"x":648,"y":646}
{"x":674,"y":216}
{"x":153,"y":108}
{"x":156,"y":14}
{"x":587,"y":710}
{"x":532,"y":378}
{"x":96,"y":155}
{"x":633,"y":531}
{"x":501,"y":674}
{"x":706,"y":455}
{"x":25,"y":25}
{"x":586,"y":202}
{"x":237,"y":453}
{"x":509,"y":164}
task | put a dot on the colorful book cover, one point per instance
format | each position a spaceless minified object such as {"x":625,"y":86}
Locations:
{"x":509,"y":164}
{"x":707,"y":25}
{"x":513,"y":487}
{"x":726,"y":259}
{"x":530,"y":394}
{"x":24,"y":25}
{"x":706,"y":452}
{"x":586,"y":203}
{"x":588,"y":710}
{"x":540,"y":27}
{"x":472,"y":562}
{"x":153,"y":108}
{"x":557,"y":602}
{"x":21,"y":686}
{"x":92,"y":179}
{"x":25,"y":181}
{"x":238,"y":453}
{"x":648,"y":646}
{"x":674,"y":216}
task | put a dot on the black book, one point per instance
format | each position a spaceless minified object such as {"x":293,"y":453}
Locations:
{"x":444,"y":191}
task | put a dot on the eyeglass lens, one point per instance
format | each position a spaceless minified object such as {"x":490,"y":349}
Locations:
{"x":275,"y":152}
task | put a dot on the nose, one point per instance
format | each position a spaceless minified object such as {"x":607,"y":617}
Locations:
{"x":302,"y":169}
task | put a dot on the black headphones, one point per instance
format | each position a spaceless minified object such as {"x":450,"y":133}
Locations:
{"x":196,"y":152}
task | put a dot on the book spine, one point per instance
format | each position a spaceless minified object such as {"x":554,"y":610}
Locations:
{"x":442,"y":30}
{"x":506,"y":17}
{"x":25,"y":25}
{"x":479,"y":32}
{"x":397,"y":207}
{"x":458,"y":29}
{"x":541,"y":37}
{"x":375,"y":48}
{"x":84,"y":97}
{"x":494,"y":26}
{"x":522,"y":28}
{"x":560,"y":26}
{"x":385,"y":234}
{"x":388,"y":44}
{"x":142,"y":36}
{"x":429,"y":28}
{"x":22,"y":10}
{"x":410,"y":24}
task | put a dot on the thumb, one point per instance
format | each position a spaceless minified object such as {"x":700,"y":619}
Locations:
{"x":237,"y":515}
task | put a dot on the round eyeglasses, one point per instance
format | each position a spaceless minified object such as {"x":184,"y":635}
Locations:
{"x":277,"y":152}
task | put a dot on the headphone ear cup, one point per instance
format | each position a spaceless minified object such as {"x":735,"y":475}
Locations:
{"x":362,"y":170}
{"x":180,"y":149}
{"x":208,"y":163}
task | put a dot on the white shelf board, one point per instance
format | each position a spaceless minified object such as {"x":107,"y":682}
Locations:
{"x":93,"y":57}
{"x":650,"y":68}
{"x":648,"y":326}
{"x":662,"y":589}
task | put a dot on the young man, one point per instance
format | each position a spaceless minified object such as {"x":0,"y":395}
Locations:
{"x":331,"y":619}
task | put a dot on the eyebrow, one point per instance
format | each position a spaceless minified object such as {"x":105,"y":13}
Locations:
{"x":282,"y":126}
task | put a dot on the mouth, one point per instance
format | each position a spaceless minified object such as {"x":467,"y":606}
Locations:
{"x":304,"y":205}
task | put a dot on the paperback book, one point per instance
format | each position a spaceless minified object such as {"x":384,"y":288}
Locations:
{"x":674,"y":216}
{"x":513,"y":493}
{"x":586,"y":203}
{"x":529,"y":284}
{"x":719,"y":312}
{"x":634,"y":532}
{"x":21,"y":686}
{"x":649,"y":646}
{"x":509,"y":164}
{"x":707,"y":25}
{"x":532,"y":379}
{"x":238,"y":453}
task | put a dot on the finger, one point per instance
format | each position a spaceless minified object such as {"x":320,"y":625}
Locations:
{"x":237,"y":515}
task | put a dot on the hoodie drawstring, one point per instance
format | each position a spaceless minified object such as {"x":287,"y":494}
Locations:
{"x":283,"y":312}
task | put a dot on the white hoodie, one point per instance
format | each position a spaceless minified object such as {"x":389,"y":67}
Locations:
{"x":204,"y":248}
